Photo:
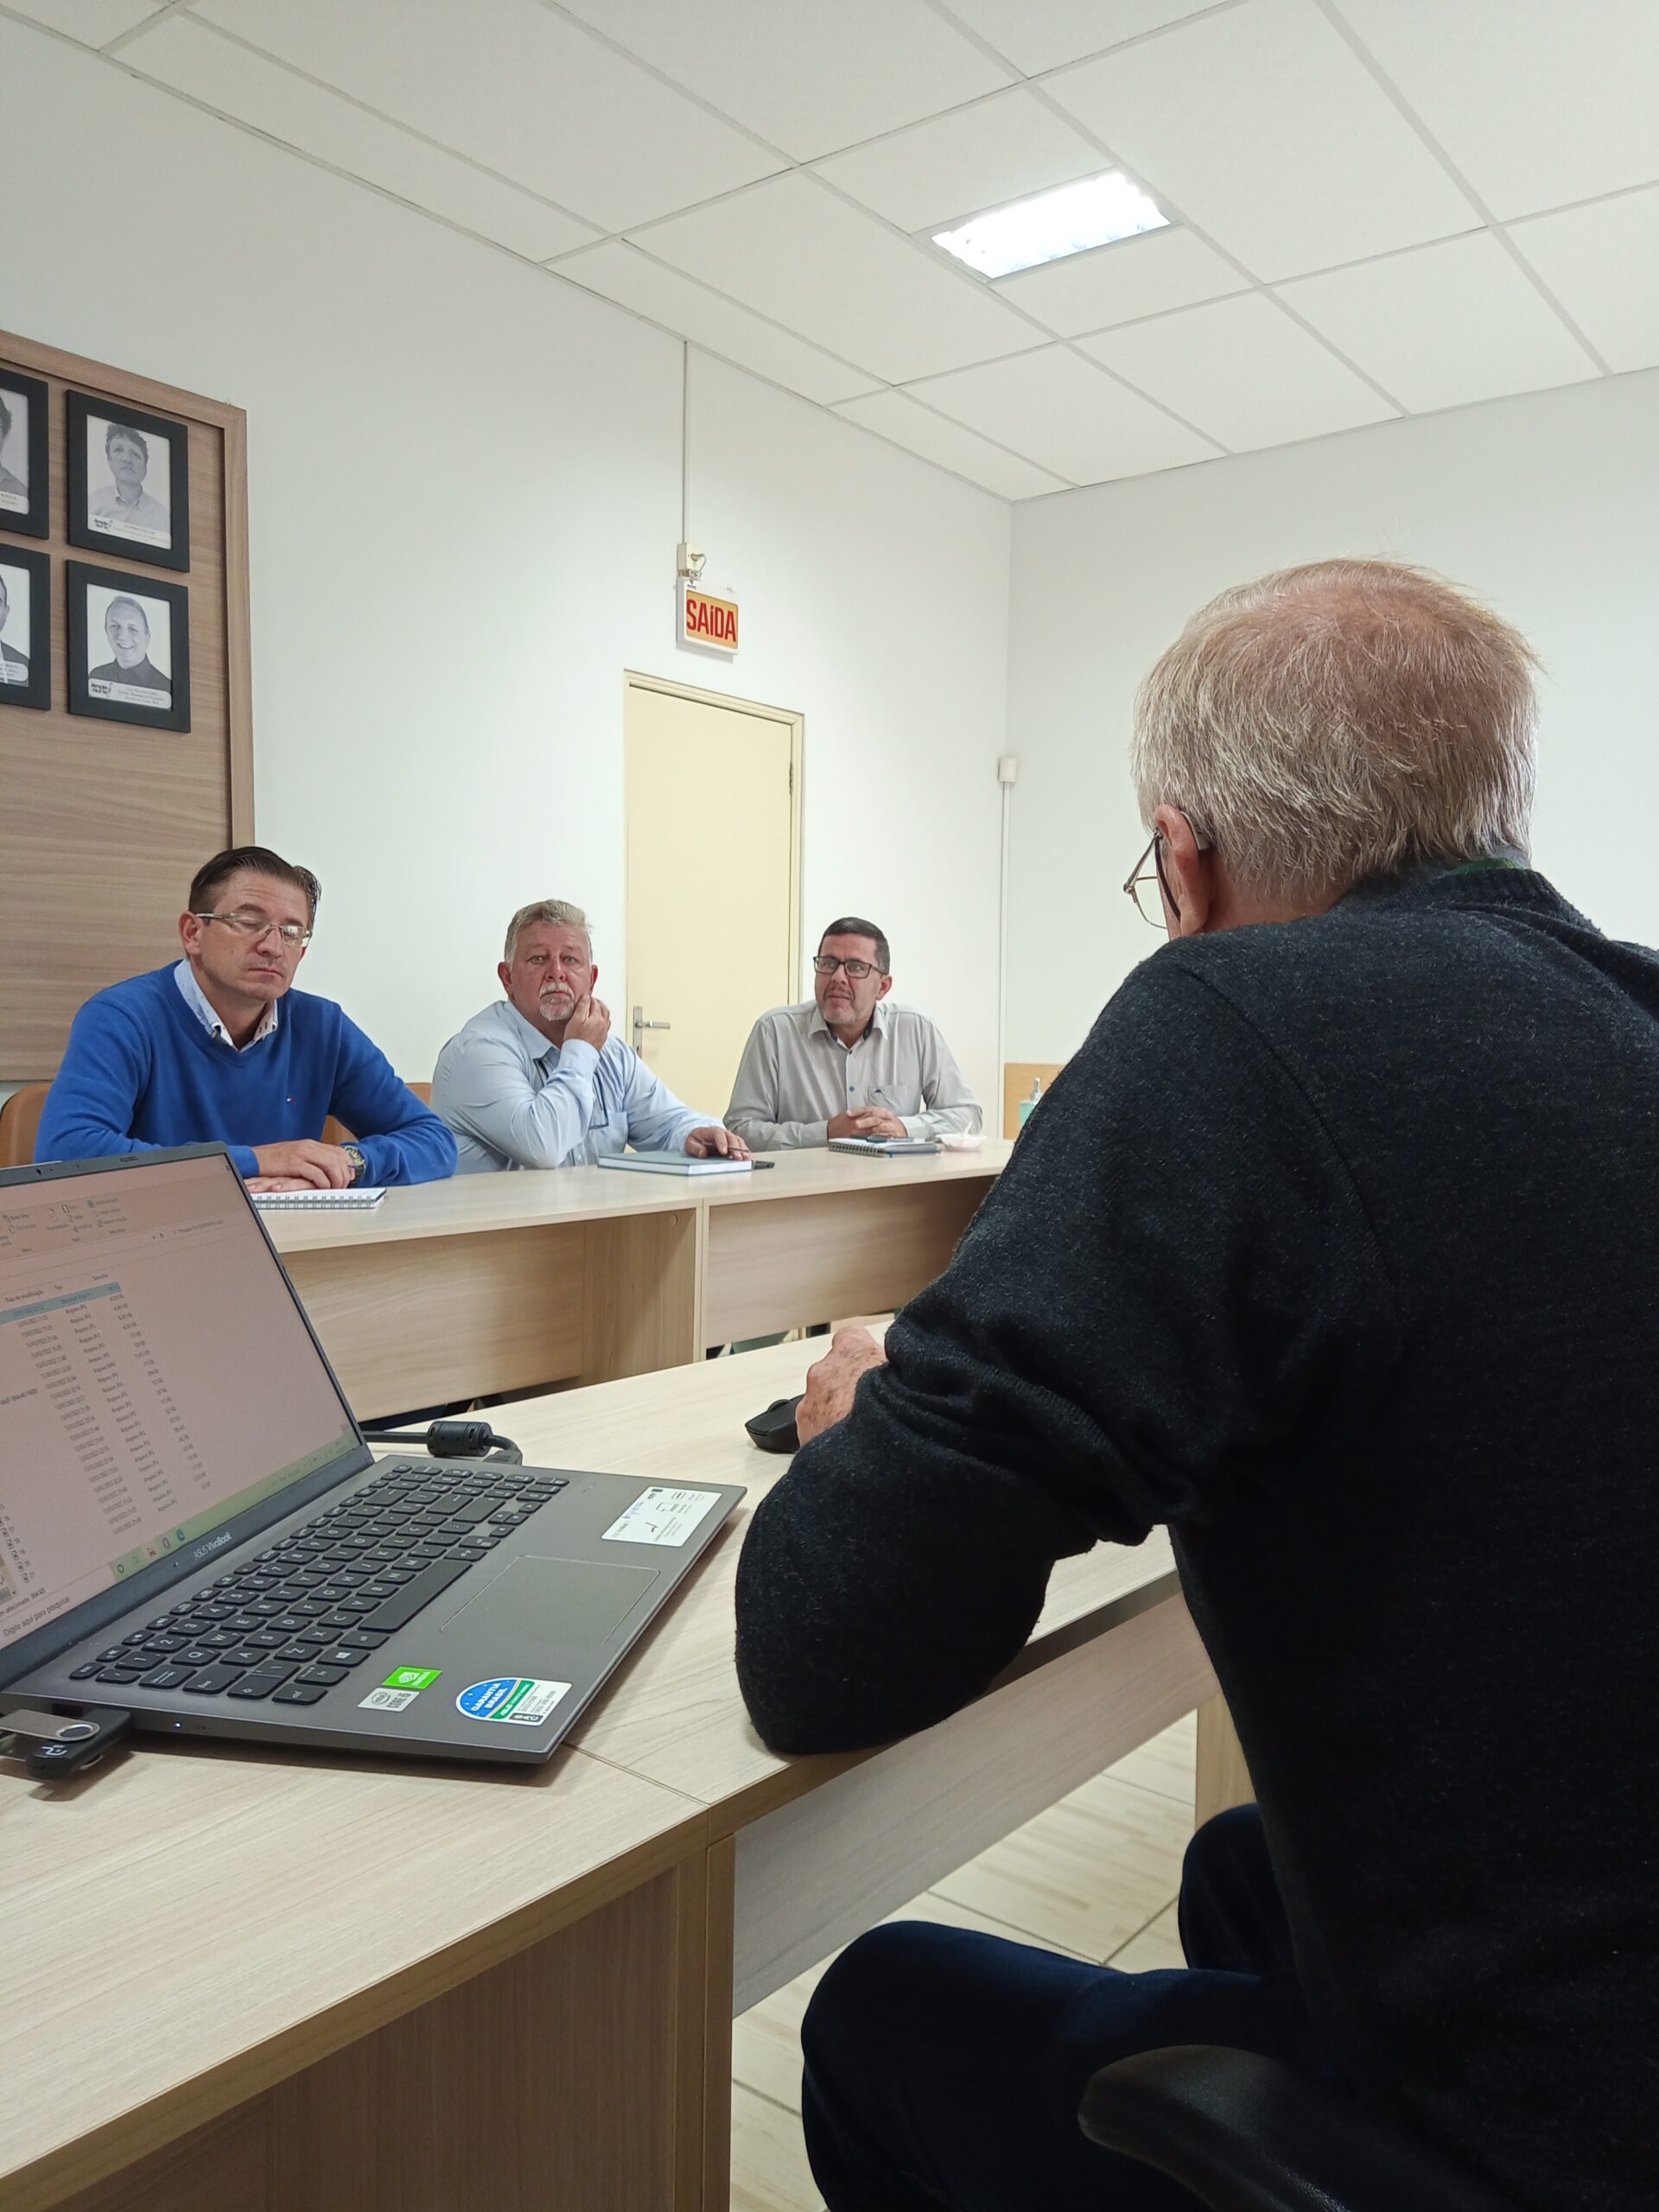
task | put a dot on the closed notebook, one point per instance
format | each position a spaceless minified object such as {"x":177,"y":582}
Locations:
{"x":674,"y":1163}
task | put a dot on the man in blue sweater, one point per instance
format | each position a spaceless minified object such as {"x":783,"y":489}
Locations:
{"x":220,"y":1047}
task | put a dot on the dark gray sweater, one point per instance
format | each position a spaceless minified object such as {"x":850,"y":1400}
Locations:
{"x":1336,"y":1250}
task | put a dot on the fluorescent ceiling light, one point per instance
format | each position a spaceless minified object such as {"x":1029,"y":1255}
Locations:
{"x":1047,"y":228}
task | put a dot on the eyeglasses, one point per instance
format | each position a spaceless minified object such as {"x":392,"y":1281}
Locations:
{"x":826,"y":964}
{"x":1148,"y":887}
{"x":293,"y":934}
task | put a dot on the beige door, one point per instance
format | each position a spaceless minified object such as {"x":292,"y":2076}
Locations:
{"x":713,"y":788}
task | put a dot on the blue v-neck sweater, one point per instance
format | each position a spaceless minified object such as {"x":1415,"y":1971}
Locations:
{"x":141,"y":1070}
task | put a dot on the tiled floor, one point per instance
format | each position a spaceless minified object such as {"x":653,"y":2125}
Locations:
{"x":1095,"y":1875}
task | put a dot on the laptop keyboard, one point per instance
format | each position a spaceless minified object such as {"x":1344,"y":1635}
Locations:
{"x":289,"y":1623}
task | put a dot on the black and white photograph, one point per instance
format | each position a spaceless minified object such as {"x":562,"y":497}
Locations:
{"x":25,"y":628}
{"x":128,"y":481}
{"x":23,"y":473}
{"x":129,"y":648}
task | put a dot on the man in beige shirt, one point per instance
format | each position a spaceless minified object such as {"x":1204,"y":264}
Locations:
{"x":847,"y":1061}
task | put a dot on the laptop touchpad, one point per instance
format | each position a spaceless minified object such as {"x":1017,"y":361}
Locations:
{"x":566,"y":1601}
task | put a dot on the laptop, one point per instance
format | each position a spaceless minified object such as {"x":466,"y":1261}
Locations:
{"x":193,"y":1530}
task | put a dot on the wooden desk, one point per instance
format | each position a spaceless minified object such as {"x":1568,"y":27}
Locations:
{"x":236,"y":1981}
{"x":504,"y":1282}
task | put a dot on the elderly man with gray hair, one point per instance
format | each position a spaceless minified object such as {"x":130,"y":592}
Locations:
{"x":1332,"y":1252}
{"x":537,"y":1080}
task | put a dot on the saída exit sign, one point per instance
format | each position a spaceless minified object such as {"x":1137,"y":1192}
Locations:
{"x":707,"y":620}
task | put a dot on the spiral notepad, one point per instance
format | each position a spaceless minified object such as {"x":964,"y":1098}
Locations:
{"x":370,"y":1195}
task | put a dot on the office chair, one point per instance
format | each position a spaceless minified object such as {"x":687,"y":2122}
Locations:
{"x":20,"y":1121}
{"x":1246,"y":2134}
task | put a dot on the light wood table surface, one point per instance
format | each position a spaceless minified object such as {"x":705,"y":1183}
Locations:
{"x":260,"y":1981}
{"x":509,"y":1282}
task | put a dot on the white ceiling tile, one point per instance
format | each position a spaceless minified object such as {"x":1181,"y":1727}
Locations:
{"x":1599,"y":263}
{"x":1537,"y":102}
{"x":956,"y":164}
{"x":1242,"y":371}
{"x":1137,"y":277}
{"x":1444,"y":324}
{"x":894,"y":414}
{"x":1066,"y":417}
{"x":192,"y":59}
{"x":517,"y":88}
{"x":1260,"y":126}
{"x":622,"y":273}
{"x":94,"y":23}
{"x":1042,"y":34}
{"x":793,"y":251}
{"x":806,"y":76}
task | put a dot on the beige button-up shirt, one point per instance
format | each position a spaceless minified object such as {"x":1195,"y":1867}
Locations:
{"x":796,"y":1076}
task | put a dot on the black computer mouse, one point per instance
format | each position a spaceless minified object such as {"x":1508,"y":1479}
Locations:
{"x":774,"y":1430}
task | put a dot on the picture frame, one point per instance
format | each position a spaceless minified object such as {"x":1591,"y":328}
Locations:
{"x":25,"y":628}
{"x":25,"y":471}
{"x":129,"y":647}
{"x":129,"y":478}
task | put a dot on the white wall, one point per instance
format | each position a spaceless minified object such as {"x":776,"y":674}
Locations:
{"x":1545,"y":504}
{"x":464,"y":501}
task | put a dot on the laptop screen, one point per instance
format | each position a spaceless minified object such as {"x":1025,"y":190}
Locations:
{"x":157,"y":1378}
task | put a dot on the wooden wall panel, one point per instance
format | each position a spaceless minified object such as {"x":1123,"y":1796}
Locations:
{"x":103,"y":825}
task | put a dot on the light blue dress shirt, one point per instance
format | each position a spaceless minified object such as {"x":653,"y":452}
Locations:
{"x":200,"y":1004}
{"x":514,"y":1100}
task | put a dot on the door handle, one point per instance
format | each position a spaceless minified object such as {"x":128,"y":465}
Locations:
{"x":640,"y":1025}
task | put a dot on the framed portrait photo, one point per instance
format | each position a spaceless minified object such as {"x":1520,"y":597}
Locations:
{"x":128,"y":481}
{"x":23,"y":473}
{"x":25,"y":628}
{"x":129,"y":647}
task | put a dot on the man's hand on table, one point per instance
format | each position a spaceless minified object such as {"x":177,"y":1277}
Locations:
{"x":303,"y":1160}
{"x":703,"y":1144}
{"x":832,"y":1380}
{"x":865,"y":1121}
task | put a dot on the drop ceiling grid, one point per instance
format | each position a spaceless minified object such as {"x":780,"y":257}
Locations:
{"x":88,"y":23}
{"x":230,"y":79}
{"x":517,"y":86}
{"x":1412,"y":140}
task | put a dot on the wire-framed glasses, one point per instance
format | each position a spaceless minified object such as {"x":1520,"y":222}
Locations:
{"x":1148,"y":887}
{"x":1144,"y":884}
{"x":293,"y":934}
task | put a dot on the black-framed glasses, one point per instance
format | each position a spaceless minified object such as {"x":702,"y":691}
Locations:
{"x":1148,"y":887}
{"x":293,"y":934}
{"x":826,"y":965}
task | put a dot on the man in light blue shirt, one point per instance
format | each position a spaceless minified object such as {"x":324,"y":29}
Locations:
{"x":539,"y":1081}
